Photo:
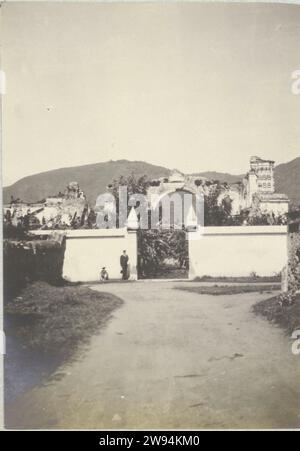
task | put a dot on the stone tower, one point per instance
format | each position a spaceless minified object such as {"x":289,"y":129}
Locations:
{"x":264,"y":172}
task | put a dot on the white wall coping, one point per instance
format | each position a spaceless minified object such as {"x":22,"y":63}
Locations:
{"x":84,"y":233}
{"x":45,"y":232}
{"x":227,"y":230}
{"x":96,"y":233}
{"x":244,"y":230}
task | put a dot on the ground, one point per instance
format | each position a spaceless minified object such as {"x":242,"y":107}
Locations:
{"x":172,"y":359}
{"x":57,"y":319}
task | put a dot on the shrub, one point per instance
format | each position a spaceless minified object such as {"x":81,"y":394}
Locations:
{"x":286,"y":299}
{"x":26,"y":261}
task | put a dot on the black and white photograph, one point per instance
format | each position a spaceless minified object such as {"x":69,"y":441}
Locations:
{"x":150,"y":218}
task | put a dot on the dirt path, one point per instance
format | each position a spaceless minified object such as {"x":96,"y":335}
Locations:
{"x":173,"y":359}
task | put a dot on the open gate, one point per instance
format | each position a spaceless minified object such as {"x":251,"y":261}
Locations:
{"x":163,"y":254}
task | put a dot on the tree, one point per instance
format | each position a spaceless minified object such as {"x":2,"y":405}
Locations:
{"x":216,"y":214}
{"x":134,"y":185}
{"x":155,"y":246}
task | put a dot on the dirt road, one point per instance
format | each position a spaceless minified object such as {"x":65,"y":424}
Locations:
{"x":172,"y":359}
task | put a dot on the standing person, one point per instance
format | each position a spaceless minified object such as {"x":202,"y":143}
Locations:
{"x":124,"y":265}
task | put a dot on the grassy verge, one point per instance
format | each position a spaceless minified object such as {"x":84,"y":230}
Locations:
{"x":57,"y":320}
{"x":287,"y":317}
{"x":230,"y":290}
{"x":275,"y":279}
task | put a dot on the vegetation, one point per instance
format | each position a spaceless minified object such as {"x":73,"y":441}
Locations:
{"x":294,"y":262}
{"x":57,"y":320}
{"x":253,"y":278}
{"x":294,"y":219}
{"x":156,"y":246}
{"x":283,"y":310}
{"x":229,"y":289}
{"x":216,"y":214}
{"x":134,"y":185}
{"x":27,"y":260}
{"x":18,"y":231}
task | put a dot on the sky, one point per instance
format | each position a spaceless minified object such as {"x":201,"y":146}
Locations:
{"x":190,"y":86}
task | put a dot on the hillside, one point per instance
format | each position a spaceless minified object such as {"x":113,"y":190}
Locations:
{"x":287,"y":179}
{"x":222,"y":177}
{"x":94,"y":178}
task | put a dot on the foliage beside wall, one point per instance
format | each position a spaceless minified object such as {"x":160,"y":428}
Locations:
{"x":216,"y":214}
{"x":294,"y":261}
{"x":155,"y":246}
{"x":27,"y":261}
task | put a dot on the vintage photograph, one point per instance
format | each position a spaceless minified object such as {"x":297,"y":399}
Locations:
{"x":150,"y":217}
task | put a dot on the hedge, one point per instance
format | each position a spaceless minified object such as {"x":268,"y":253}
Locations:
{"x":27,"y":261}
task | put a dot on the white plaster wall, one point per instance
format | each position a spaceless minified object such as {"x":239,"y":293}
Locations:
{"x":87,"y":251}
{"x":238,"y":251}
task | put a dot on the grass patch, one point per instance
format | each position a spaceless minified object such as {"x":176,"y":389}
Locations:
{"x":250,"y":279}
{"x":57,"y":320}
{"x":230,"y":289}
{"x":287,"y":317}
{"x":167,"y":273}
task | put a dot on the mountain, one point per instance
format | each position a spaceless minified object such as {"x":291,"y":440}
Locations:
{"x":94,"y":178}
{"x":222,"y":177}
{"x":287,"y":179}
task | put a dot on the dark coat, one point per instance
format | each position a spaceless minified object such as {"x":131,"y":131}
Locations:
{"x":124,"y":260}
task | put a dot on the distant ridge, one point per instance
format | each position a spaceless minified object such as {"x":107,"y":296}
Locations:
{"x":287,"y":179}
{"x":220,"y":176}
{"x":94,"y":178}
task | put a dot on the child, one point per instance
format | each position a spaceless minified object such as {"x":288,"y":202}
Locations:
{"x":104,"y":275}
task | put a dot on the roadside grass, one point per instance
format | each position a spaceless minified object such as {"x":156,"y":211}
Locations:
{"x":229,"y":289}
{"x":168,"y":273}
{"x":56,"y":320}
{"x":287,"y":317}
{"x":248,"y":280}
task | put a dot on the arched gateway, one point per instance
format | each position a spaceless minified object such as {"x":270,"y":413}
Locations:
{"x":163,"y":251}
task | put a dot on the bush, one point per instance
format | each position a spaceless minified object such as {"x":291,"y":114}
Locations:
{"x":286,"y":299}
{"x":283,"y":310}
{"x":27,"y":261}
{"x":294,"y":262}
